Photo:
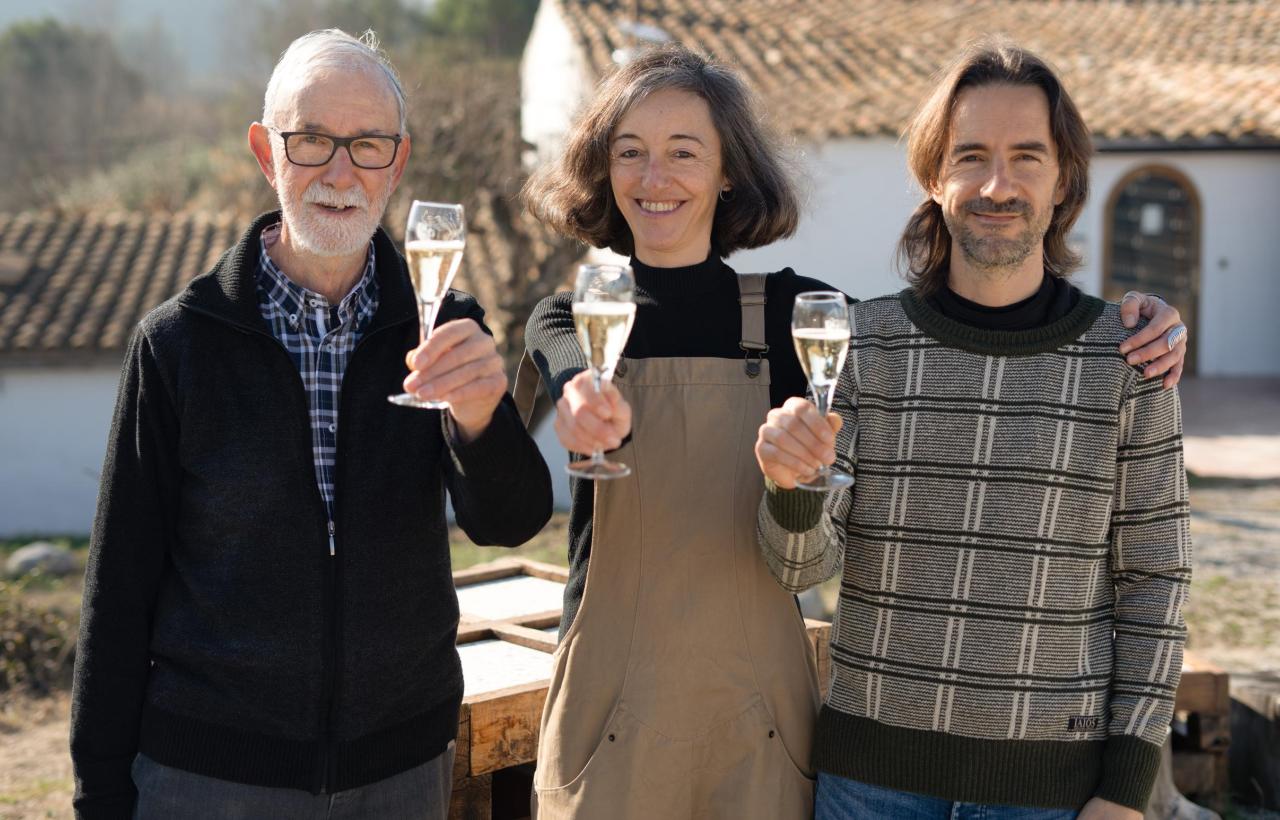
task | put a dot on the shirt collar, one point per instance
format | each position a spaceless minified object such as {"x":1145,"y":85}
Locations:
{"x":359,"y":304}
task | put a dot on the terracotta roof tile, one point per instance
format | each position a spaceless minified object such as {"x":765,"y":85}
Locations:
{"x":88,"y":280}
{"x":85,"y":282}
{"x":1161,"y":71}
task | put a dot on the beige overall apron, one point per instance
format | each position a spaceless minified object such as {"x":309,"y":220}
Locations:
{"x":685,"y":687}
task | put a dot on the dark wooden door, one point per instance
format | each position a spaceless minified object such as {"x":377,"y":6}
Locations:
{"x":1153,"y":241}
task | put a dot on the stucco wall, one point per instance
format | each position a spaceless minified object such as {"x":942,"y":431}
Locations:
{"x":1239,"y":193}
{"x":53,"y":433}
{"x":857,"y":198}
{"x":553,"y":82}
{"x":860,"y":197}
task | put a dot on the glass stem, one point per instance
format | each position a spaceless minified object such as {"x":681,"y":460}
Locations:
{"x":426,"y":316}
{"x":597,"y":455}
{"x":823,"y":403}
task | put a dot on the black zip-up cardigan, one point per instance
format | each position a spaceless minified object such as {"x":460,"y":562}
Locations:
{"x":218,"y":635}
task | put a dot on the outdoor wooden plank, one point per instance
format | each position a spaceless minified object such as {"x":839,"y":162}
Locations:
{"x":462,"y":745}
{"x":505,"y":726}
{"x":489,"y":571}
{"x":472,"y":799}
{"x":540,"y":569}
{"x":819,"y":641}
{"x":1199,"y":773}
{"x":470,"y":631}
{"x":1204,"y":688}
{"x":525,"y":636}
{"x":539,"y":620}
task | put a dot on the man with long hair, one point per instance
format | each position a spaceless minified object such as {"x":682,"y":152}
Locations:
{"x":1015,"y":550}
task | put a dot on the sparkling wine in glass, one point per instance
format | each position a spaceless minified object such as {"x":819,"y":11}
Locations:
{"x":433,"y":245}
{"x":603,"y":311}
{"x":820,"y":330}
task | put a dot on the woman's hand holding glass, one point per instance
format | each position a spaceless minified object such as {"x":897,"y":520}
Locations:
{"x":795,"y":443}
{"x":588,"y":420}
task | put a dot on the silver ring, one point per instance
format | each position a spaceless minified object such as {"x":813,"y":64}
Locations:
{"x":1176,"y":336}
{"x":1130,"y":294}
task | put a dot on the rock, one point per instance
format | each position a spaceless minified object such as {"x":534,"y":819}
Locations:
{"x":50,"y":559}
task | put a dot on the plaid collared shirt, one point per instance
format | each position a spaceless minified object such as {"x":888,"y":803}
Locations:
{"x":320,"y":339}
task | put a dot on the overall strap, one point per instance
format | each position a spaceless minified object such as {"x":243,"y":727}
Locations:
{"x":751,"y":297}
{"x":528,"y":378}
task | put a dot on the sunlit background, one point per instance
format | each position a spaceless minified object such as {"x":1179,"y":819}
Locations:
{"x":124,"y":171}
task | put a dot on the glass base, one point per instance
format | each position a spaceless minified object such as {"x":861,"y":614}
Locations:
{"x":410,"y":400}
{"x":830,"y":480}
{"x":597,"y":470}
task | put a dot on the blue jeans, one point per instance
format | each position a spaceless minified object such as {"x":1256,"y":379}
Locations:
{"x":839,"y":798}
{"x":166,"y":793}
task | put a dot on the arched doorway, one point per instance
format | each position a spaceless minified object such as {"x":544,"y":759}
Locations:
{"x":1153,"y":240}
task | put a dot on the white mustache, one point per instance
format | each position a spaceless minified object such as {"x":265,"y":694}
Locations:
{"x":320,"y":193}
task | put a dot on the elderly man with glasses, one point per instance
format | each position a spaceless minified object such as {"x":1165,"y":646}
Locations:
{"x":269,"y":617}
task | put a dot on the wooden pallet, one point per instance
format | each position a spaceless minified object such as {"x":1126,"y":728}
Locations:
{"x":1202,"y":731}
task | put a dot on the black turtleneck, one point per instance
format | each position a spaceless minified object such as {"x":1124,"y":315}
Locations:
{"x":1055,"y":299}
{"x":688,"y":311}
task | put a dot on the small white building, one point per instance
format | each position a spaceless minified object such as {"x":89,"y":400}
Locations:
{"x":71,"y":291}
{"x":1183,"y":100}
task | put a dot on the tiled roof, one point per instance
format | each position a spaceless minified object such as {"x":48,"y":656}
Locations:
{"x":80,"y":284}
{"x":73,"y":285}
{"x":1140,"y":71}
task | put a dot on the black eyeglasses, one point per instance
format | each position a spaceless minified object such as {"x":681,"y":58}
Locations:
{"x":311,"y":148}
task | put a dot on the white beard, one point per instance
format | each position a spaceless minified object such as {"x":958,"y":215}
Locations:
{"x":315,"y":234}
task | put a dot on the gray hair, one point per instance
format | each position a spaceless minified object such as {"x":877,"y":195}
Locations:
{"x":333,"y":48}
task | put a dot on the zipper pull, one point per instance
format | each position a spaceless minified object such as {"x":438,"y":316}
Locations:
{"x":332,"y":551}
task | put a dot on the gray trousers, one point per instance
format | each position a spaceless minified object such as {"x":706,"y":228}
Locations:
{"x":166,"y":793}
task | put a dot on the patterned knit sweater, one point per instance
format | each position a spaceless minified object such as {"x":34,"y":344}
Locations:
{"x":1015,"y":557}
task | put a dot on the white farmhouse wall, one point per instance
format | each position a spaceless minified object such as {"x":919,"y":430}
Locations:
{"x":53,"y":434}
{"x":1239,"y":195}
{"x":557,"y":459}
{"x":860,"y":197}
{"x":857,"y":198}
{"x":554,"y":80}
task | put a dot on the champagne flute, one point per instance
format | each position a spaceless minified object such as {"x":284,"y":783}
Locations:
{"x":820,"y":330}
{"x":603,"y":311}
{"x":433,"y":245}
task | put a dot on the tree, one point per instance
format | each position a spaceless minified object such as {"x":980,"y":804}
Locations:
{"x":499,"y":26}
{"x":464,"y":118}
{"x":69,"y":105}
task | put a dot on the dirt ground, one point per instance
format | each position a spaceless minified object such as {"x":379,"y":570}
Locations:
{"x":1233,"y":616}
{"x":35,"y":769}
{"x":1234,"y":612}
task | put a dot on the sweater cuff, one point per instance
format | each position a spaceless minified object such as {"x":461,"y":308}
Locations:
{"x":488,"y":454}
{"x":1129,"y":769}
{"x":105,"y":808}
{"x":794,"y":510}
